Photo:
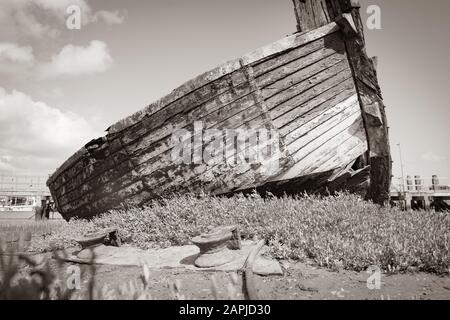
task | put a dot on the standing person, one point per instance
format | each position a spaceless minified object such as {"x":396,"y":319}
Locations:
{"x":39,"y":211}
{"x":47,"y":210}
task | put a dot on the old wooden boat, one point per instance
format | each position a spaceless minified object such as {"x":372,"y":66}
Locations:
{"x":317,"y":89}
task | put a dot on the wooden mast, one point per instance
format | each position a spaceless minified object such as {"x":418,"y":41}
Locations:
{"x":312,"y":14}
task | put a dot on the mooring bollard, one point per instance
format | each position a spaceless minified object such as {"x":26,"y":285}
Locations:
{"x":98,"y":238}
{"x":214,"y":247}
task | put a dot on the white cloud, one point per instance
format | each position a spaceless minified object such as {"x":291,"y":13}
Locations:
{"x":53,"y":93}
{"x":11,"y":52}
{"x":87,"y":14}
{"x":109,"y":17}
{"x":35,"y":136}
{"x":16,"y":60}
{"x":70,"y":61}
{"x":430,"y":156}
{"x":60,"y":6}
{"x":19,"y":18}
{"x":28,"y":25}
{"x":46,"y":18}
{"x":76,"y":60}
{"x":6,"y":164}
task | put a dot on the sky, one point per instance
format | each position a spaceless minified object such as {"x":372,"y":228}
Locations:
{"x":60,"y":88}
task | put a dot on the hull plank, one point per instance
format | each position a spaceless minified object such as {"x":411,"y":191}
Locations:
{"x":301,"y":120}
{"x":280,"y":105}
{"x":111,"y":180}
{"x":317,"y":118}
{"x":344,"y":148}
{"x":290,"y":110}
{"x":313,"y":152}
{"x":291,"y":71}
{"x":286,"y":58}
{"x":303,"y":75}
{"x":344,"y":115}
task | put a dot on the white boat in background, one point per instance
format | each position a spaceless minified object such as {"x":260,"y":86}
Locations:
{"x":25,"y":208}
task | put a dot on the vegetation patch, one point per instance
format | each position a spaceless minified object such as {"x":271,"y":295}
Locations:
{"x":35,"y":227}
{"x":335,"y":232}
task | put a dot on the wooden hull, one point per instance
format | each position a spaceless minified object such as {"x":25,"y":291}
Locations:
{"x":301,"y":87}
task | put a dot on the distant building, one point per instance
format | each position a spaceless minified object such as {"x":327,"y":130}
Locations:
{"x":20,"y":191}
{"x":418,"y":193}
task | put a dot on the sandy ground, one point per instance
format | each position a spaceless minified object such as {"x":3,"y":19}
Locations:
{"x":300,"y":282}
{"x":16,"y":216}
{"x":21,"y":217}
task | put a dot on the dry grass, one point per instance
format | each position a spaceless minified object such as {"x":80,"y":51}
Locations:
{"x":25,"y":278}
{"x":35,"y":227}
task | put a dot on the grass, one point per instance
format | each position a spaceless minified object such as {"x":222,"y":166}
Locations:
{"x":17,"y":235}
{"x":35,"y":227}
{"x":335,"y":232}
{"x":25,"y":278}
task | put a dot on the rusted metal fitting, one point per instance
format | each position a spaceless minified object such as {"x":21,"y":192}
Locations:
{"x":215,"y":246}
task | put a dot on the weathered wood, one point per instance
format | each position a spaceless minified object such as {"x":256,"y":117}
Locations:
{"x":147,"y":140}
{"x":283,"y":58}
{"x":92,"y":174}
{"x":373,"y":113}
{"x":87,"y":166}
{"x":340,"y":151}
{"x":249,"y":110}
{"x":329,"y":156}
{"x":339,"y":113}
{"x":207,"y":177}
{"x":308,"y":145}
{"x":205,"y":174}
{"x":314,"y":108}
{"x":317,"y":88}
{"x":112,"y":180}
{"x":348,"y":27}
{"x":312,"y":14}
{"x":292,"y":68}
{"x":206,"y":170}
{"x":300,"y":76}
{"x":359,"y":178}
{"x":155,"y":136}
{"x":304,"y":156}
{"x":305,"y":127}
{"x":223,"y":70}
{"x":290,"y":110}
{"x":85,"y":207}
{"x":188,"y":102}
{"x":222,"y":107}
{"x":279,"y":47}
{"x":346,"y":14}
{"x":290,"y":99}
{"x":289,"y":43}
